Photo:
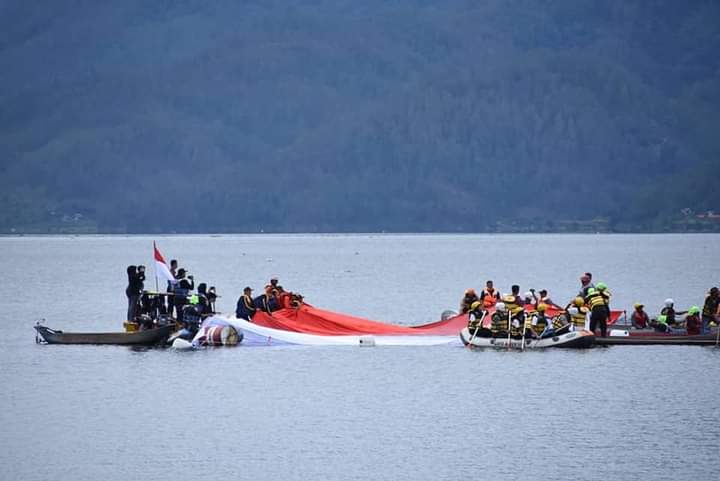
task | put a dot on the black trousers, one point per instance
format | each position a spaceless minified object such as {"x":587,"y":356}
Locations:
{"x":598,"y":318}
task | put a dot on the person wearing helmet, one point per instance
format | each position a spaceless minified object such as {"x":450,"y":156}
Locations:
{"x":500,"y":320}
{"x":478,"y":321}
{"x":598,"y":299}
{"x":489,"y":296}
{"x":668,"y":316}
{"x":577,"y":313}
{"x":540,"y":323}
{"x":711,"y":309}
{"x":639,"y":318}
{"x":692,"y":321}
{"x":467,"y":300}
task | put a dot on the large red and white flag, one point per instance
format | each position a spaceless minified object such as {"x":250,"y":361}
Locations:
{"x":162,"y":271}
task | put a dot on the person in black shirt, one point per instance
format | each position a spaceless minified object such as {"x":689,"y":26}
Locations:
{"x":134,"y":289}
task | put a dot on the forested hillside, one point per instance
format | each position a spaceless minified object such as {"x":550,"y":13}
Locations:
{"x":331,"y":115}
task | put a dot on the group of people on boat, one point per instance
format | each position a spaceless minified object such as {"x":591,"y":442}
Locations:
{"x":180,"y":301}
{"x":273,"y":298}
{"x":527,"y":316}
{"x":696,"y":321}
{"x":492,"y":314}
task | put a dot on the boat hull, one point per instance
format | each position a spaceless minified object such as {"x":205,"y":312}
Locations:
{"x":645,"y":338}
{"x":148,"y":337}
{"x":570,"y":340}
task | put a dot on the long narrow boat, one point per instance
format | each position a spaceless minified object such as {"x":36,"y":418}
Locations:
{"x":647,"y":338}
{"x":148,"y":337}
{"x":572,"y":340}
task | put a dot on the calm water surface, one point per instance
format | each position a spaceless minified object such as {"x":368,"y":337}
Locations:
{"x":113,"y":413}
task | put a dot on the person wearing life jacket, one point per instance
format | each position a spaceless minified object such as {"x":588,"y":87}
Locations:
{"x":545,"y":299}
{"x":245,"y":308}
{"x":274,"y":301}
{"x":204,"y":303}
{"x":540,"y":323}
{"x":530,"y":299}
{"x":693,"y":323}
{"x":578,"y":313}
{"x":467,"y":300}
{"x":479,"y":323}
{"x":598,"y":300}
{"x":639,"y":318}
{"x":489,"y":296}
{"x":185,"y":284}
{"x":669,"y":314}
{"x":262,"y":302}
{"x":499,"y":325}
{"x":285,"y":298}
{"x":711,"y":309}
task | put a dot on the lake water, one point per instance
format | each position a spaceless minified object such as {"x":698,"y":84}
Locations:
{"x":297,"y":413}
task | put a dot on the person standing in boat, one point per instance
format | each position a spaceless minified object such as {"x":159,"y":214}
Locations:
{"x":134,"y":289}
{"x":711,"y":309}
{"x":585,"y":284}
{"x":183,"y":288}
{"x":599,"y":308}
{"x":639,"y":318}
{"x":467,"y":301}
{"x":171,"y":287}
{"x":245,"y":308}
{"x":489,"y":296}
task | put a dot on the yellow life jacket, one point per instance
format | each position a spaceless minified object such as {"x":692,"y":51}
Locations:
{"x":579,"y":319}
{"x":596,"y":300}
{"x":499,"y":323}
{"x":541,"y":323}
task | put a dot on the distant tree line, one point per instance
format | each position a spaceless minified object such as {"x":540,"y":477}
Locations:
{"x":411,"y":115}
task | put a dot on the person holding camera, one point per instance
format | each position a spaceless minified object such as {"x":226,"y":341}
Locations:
{"x":134,"y":289}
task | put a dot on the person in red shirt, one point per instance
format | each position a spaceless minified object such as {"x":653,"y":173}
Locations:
{"x":692,"y":321}
{"x":639,"y":318}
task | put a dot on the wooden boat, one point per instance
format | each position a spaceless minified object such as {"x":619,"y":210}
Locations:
{"x":147,"y":337}
{"x":573,"y":340}
{"x":648,"y":338}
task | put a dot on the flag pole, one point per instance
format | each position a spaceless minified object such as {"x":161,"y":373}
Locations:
{"x":157,"y":289}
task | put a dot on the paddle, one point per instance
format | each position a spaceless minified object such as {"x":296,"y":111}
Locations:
{"x":477,"y":328}
{"x":717,"y":337}
{"x":509,"y":327}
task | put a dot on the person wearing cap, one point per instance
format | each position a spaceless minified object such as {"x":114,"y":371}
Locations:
{"x":639,"y":318}
{"x":467,"y":300}
{"x":545,"y":299}
{"x":711,"y":309}
{"x":274,"y":282}
{"x":245,"y":308}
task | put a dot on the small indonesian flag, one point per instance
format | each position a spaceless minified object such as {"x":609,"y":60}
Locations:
{"x":162,"y":271}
